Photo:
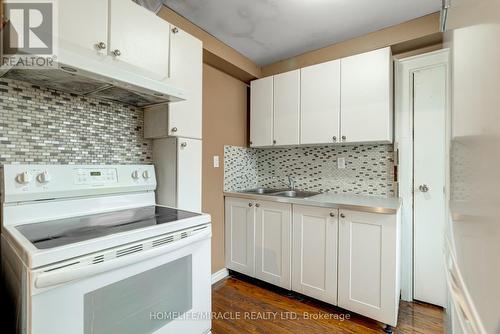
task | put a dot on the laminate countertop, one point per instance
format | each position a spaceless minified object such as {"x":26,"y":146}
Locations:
{"x":363,"y":203}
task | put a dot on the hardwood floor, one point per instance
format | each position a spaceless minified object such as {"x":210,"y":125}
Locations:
{"x":243,"y":305}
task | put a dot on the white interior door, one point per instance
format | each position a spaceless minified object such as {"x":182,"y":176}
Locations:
{"x":429,"y":182}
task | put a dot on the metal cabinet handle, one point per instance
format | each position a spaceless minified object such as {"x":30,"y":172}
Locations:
{"x":334,"y":138}
{"x":174,"y":130}
{"x":101,"y":45}
{"x":332,"y":215}
{"x":423,"y":188}
{"x":116,"y":53}
{"x":342,"y":215}
{"x":250,"y":205}
{"x":184,"y":144}
{"x":175,"y":30}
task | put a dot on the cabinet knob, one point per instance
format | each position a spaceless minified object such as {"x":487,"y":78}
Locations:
{"x":274,"y":142}
{"x":251,"y":142}
{"x":334,"y":138}
{"x":175,"y":30}
{"x":342,"y":215}
{"x":174,"y":130}
{"x":332,"y":214}
{"x":257,"y":205}
{"x":250,"y":205}
{"x":184,"y":144}
{"x":423,"y":188}
{"x":101,"y":45}
{"x":116,"y":53}
{"x":344,"y":137}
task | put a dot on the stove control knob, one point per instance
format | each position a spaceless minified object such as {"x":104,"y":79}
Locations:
{"x":135,"y":174}
{"x":146,"y":175}
{"x":43,"y":177}
{"x":24,"y":178}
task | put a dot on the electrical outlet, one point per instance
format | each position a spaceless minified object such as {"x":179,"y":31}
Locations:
{"x":216,"y":161}
{"x":340,"y":163}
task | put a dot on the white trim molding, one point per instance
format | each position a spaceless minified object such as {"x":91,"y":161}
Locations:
{"x":219,"y":275}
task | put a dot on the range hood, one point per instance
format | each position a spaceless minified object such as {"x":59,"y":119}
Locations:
{"x":86,"y":76}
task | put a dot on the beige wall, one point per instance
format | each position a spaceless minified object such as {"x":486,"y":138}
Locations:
{"x":224,"y":123}
{"x":414,"y":34}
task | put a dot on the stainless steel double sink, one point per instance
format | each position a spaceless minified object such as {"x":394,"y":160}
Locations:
{"x":290,"y":193}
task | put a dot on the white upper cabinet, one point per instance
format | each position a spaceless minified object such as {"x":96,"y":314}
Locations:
{"x":315,"y":232}
{"x":273,"y":243}
{"x":286,"y":108}
{"x":340,"y":101}
{"x":261,"y":112}
{"x":186,"y":72}
{"x":366,"y":97}
{"x":368,"y":268}
{"x":180,"y":119}
{"x":76,"y":14}
{"x":320,"y":103}
{"x":138,"y":39}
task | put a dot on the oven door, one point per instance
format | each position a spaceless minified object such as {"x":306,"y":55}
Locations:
{"x":158,"y":290}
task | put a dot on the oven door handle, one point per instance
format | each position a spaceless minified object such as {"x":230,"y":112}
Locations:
{"x":45,"y":279}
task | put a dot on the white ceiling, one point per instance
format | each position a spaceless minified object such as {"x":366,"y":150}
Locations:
{"x":270,"y":30}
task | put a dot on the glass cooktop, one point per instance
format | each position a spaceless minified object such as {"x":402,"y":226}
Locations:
{"x":62,"y":232}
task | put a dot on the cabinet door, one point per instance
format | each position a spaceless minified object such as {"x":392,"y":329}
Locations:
{"x":261,"y":112}
{"x":189,"y":169}
{"x":186,"y":70}
{"x":273,"y":243}
{"x":368,"y":265}
{"x":366,"y":97}
{"x":320,"y":103}
{"x":240,"y":233}
{"x":83,"y":25}
{"x":314,"y":257}
{"x":141,"y":38}
{"x":286,"y":108}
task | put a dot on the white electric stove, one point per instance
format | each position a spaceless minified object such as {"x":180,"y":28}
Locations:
{"x":86,"y":250}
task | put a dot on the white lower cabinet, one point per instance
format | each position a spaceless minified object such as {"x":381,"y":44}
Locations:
{"x":368,"y":268}
{"x":273,"y":243}
{"x":342,"y":257}
{"x":240,"y":235}
{"x":315,"y":235}
{"x":259,"y":239}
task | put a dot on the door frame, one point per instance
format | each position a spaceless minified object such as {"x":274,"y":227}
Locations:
{"x":403,"y":147}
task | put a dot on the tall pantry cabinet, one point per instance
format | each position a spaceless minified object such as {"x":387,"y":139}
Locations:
{"x":176,"y":129}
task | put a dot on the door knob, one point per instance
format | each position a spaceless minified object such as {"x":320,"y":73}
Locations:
{"x":423,"y":188}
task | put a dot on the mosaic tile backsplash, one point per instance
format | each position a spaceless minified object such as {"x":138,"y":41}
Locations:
{"x":369,"y":168}
{"x":39,"y":125}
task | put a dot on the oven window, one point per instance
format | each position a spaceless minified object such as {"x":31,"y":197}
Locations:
{"x":142,"y":303}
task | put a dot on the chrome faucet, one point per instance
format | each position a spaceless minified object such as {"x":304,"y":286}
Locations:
{"x":291,"y":182}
